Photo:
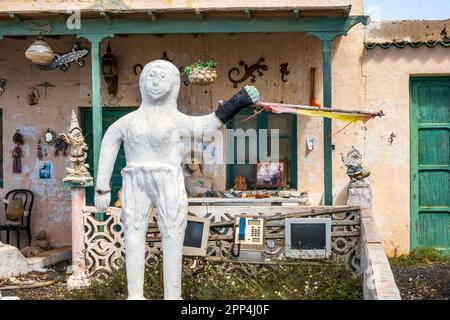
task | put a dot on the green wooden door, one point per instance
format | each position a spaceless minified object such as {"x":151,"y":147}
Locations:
{"x":110,"y":115}
{"x":430,"y":163}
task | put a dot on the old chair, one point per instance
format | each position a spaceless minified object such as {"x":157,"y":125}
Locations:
{"x":24,"y":222}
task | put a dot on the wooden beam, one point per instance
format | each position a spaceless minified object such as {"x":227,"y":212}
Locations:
{"x":310,"y":25}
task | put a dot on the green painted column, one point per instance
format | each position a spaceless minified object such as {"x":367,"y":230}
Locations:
{"x":327,"y":124}
{"x":96,"y":96}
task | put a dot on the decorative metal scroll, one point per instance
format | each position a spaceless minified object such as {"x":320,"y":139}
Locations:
{"x":258,"y":67}
{"x":105,"y":245}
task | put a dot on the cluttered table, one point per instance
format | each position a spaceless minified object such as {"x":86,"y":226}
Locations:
{"x":243,"y":201}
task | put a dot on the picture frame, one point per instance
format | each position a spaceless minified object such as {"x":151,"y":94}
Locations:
{"x":270,"y":174}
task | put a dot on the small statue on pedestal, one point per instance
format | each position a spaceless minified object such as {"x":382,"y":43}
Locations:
{"x":355,"y":169}
{"x":79,"y":169}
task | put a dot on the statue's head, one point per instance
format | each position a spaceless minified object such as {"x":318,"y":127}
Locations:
{"x":159,"y":82}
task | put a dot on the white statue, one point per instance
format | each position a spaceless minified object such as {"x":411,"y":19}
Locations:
{"x":152,"y":137}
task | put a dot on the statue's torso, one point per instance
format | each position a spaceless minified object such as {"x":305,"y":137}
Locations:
{"x":151,"y":138}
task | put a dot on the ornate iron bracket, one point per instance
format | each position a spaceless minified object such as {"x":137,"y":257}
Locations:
{"x":249,"y":72}
{"x":284,"y":71}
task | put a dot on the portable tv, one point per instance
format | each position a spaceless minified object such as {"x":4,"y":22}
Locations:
{"x":307,"y":238}
{"x":196,"y":236}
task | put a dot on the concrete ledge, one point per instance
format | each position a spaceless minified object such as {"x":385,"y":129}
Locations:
{"x":378,"y":280}
{"x":50,"y":257}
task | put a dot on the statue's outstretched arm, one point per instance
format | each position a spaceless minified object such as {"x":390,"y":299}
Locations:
{"x":198,"y":125}
{"x":108,"y":153}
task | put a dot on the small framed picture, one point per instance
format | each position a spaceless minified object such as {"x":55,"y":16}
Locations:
{"x":270,"y":174}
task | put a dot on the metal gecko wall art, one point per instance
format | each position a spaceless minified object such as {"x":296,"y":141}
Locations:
{"x":2,"y":85}
{"x":63,"y":60}
{"x":258,"y":67}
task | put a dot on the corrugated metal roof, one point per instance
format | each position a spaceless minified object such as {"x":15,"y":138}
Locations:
{"x":412,"y":33}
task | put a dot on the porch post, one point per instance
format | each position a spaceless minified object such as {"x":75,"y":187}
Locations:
{"x":327,"y":124}
{"x":96,"y":78}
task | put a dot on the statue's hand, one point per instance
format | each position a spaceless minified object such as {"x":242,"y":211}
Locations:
{"x":102,"y":201}
{"x":253,"y":93}
{"x":246,"y":97}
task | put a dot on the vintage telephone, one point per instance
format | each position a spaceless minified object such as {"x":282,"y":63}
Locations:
{"x":249,"y":237}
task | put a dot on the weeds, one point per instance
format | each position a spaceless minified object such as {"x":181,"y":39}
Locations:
{"x":420,"y":257}
{"x":216,"y":281}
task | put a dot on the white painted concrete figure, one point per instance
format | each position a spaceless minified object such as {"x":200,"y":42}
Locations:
{"x":152,"y":137}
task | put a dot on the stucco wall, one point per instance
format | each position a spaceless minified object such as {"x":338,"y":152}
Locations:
{"x":51,"y":208}
{"x":387,"y":73}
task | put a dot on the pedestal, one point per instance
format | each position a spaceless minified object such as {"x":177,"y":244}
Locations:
{"x":79,"y":277}
{"x":360,"y":196}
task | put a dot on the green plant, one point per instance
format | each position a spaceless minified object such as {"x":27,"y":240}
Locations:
{"x":201,"y":65}
{"x":226,"y":280}
{"x":420,"y":257}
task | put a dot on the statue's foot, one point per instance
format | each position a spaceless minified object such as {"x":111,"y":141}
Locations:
{"x":136,"y":297}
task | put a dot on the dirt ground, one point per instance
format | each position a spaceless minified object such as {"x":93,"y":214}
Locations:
{"x":423,"y":283}
{"x":56,"y":275}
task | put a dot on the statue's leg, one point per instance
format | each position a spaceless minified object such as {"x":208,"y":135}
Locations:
{"x":171,"y":201}
{"x":135,"y":203}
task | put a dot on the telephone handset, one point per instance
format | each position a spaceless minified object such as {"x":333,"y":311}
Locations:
{"x":248,"y":234}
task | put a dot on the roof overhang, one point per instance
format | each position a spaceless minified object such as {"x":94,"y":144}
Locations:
{"x":184,"y":13}
{"x":326,"y":22}
{"x":413,"y":33}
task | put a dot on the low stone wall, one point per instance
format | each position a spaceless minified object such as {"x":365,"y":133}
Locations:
{"x":378,"y":280}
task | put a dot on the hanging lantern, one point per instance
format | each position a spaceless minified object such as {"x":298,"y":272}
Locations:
{"x":40,"y":52}
{"x":110,"y":69}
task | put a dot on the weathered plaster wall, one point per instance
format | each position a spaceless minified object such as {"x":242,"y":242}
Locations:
{"x":387,"y":73}
{"x":51,"y":208}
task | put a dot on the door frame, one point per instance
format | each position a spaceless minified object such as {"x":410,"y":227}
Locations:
{"x":414,"y":155}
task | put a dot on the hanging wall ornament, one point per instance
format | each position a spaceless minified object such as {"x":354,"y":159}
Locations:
{"x":17,"y":159}
{"x":258,"y":67}
{"x":17,"y":152}
{"x":48,"y":137}
{"x":63,"y":60}
{"x":61,"y":145}
{"x":46,"y":85}
{"x":2,"y":86}
{"x":40,"y":153}
{"x":284,"y":71}
{"x":33,"y":96}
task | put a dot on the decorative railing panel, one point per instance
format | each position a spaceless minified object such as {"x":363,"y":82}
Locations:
{"x":105,"y":244}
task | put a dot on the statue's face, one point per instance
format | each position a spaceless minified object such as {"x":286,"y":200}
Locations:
{"x":160,"y":80}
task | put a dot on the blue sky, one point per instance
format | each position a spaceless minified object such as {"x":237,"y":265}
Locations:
{"x":408,"y":9}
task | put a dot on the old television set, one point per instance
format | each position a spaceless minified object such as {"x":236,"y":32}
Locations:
{"x":196,"y":236}
{"x":307,"y":238}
